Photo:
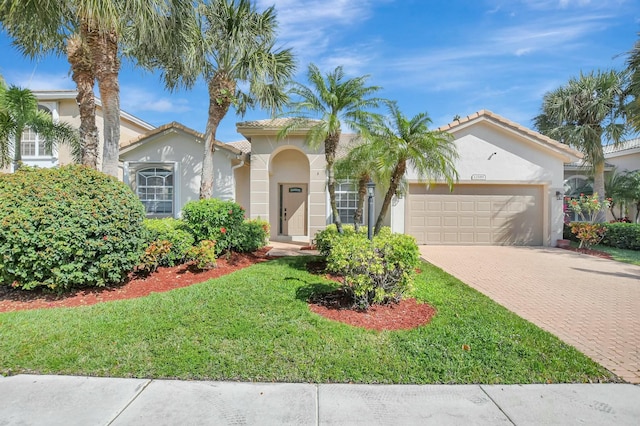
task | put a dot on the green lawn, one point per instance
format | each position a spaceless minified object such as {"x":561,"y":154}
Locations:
{"x":254,"y":325}
{"x":621,"y":255}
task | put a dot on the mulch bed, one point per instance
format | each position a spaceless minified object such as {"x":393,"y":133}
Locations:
{"x":589,"y":252}
{"x":404,"y":315}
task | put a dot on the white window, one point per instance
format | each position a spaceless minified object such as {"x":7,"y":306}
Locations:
{"x":347,"y":201}
{"x":32,"y":144}
{"x":155,"y":188}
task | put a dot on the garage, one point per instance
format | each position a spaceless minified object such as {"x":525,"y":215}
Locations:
{"x":476,"y":214}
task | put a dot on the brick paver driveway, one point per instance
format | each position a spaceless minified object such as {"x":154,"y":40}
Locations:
{"x":590,"y":303}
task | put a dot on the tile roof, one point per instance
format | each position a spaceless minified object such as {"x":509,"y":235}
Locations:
{"x":243,"y":145}
{"x":271,"y":123}
{"x":623,"y":146}
{"x":514,"y":126}
{"x":171,"y":126}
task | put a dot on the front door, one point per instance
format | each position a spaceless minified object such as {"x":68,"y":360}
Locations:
{"x":293,"y":209}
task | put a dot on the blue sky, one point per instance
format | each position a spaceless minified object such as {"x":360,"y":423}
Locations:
{"x":445,"y":58}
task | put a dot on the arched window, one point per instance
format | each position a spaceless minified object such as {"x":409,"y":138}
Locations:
{"x":32,"y":144}
{"x":155,"y":188}
{"x":576,"y":185}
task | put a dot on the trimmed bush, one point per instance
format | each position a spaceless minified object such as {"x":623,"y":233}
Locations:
{"x":67,"y":227}
{"x":223,"y":222}
{"x":324,"y":239}
{"x":622,"y":235}
{"x":375,"y":272}
{"x":204,"y":255}
{"x":176,"y":233}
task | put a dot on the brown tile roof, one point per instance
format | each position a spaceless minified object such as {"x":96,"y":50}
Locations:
{"x":166,"y":128}
{"x":486,"y":114}
{"x":243,"y":145}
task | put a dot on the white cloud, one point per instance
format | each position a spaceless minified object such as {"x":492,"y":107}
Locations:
{"x":42,"y":81}
{"x":136,"y":99}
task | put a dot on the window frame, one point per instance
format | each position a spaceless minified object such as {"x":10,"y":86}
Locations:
{"x":352,"y":197}
{"x":149,"y":202}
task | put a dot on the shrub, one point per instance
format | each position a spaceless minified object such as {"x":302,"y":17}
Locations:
{"x":224,"y":223}
{"x":204,"y":254}
{"x":589,"y":234}
{"x":176,"y":233}
{"x":153,"y":256}
{"x":622,"y":235}
{"x":253,"y":235}
{"x":67,"y":227}
{"x":215,"y":220}
{"x":375,"y":272}
{"x":324,"y":239}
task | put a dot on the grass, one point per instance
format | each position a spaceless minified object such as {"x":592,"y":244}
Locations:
{"x":621,"y":255}
{"x":254,"y":325}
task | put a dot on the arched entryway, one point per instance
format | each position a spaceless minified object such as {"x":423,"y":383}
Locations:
{"x":289,"y":171}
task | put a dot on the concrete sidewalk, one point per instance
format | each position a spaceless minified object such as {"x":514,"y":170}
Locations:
{"x":69,"y":400}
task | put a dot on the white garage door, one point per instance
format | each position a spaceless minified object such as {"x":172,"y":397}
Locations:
{"x":475,"y":214}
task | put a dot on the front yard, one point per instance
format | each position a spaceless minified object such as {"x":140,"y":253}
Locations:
{"x":255,"y":325}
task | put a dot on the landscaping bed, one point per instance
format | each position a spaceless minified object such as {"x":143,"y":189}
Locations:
{"x":256,"y":325}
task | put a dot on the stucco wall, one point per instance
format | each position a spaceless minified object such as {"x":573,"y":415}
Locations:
{"x":491,"y":154}
{"x":183,"y":149}
{"x":623,"y":162}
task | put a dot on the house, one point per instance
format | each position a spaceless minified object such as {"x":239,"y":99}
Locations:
{"x":510,"y":189}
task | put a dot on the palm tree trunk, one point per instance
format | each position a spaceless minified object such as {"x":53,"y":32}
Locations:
{"x":362,"y":193}
{"x":221,"y":92}
{"x":79,"y":58}
{"x":330,"y":148}
{"x":17,"y":154}
{"x":104,"y":49}
{"x":598,"y":187}
{"x":396,"y":177}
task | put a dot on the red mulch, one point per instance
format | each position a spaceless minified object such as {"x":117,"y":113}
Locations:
{"x":404,"y":315}
{"x":164,"y":279}
{"x":590,"y":252}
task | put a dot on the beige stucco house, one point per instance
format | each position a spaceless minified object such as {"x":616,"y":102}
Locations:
{"x":510,"y":190}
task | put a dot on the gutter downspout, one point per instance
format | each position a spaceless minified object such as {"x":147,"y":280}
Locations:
{"x":233,"y":176}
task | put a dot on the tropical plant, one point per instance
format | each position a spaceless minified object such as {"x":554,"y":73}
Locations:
{"x":619,"y":192}
{"x":231,"y":45}
{"x":357,"y":166}
{"x":19,"y":112}
{"x":632,"y":190}
{"x":633,"y":87}
{"x":90,"y":34}
{"x":325,"y":103}
{"x":582,"y":113}
{"x":399,"y":143}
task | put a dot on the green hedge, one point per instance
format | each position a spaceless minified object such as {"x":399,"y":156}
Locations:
{"x":324,"y":239}
{"x":176,"y":233}
{"x":375,"y":272}
{"x":67,"y":227}
{"x":622,"y":235}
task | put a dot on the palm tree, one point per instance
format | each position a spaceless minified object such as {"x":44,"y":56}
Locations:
{"x":358,"y":166}
{"x":582,"y":113}
{"x":231,"y":45}
{"x":90,"y":34}
{"x":399,"y":143}
{"x":19,"y":112}
{"x":633,"y":88}
{"x":331,"y":101}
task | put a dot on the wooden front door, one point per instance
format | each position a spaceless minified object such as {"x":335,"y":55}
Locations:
{"x":293,"y":209}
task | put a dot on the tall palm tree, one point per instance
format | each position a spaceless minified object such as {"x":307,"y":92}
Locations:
{"x":19,"y":112}
{"x":330,"y":101}
{"x":582,"y":113}
{"x":231,"y":45}
{"x":90,"y":34}
{"x":399,"y":143}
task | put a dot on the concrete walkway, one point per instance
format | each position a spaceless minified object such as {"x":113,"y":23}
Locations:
{"x":65,"y":400}
{"x":588,"y":302}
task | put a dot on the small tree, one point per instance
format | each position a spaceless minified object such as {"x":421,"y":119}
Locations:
{"x":588,"y":208}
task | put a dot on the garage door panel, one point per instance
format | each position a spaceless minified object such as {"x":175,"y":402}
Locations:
{"x":476,"y":214}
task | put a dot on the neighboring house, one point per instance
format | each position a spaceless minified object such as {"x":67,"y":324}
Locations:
{"x":510,"y":189}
